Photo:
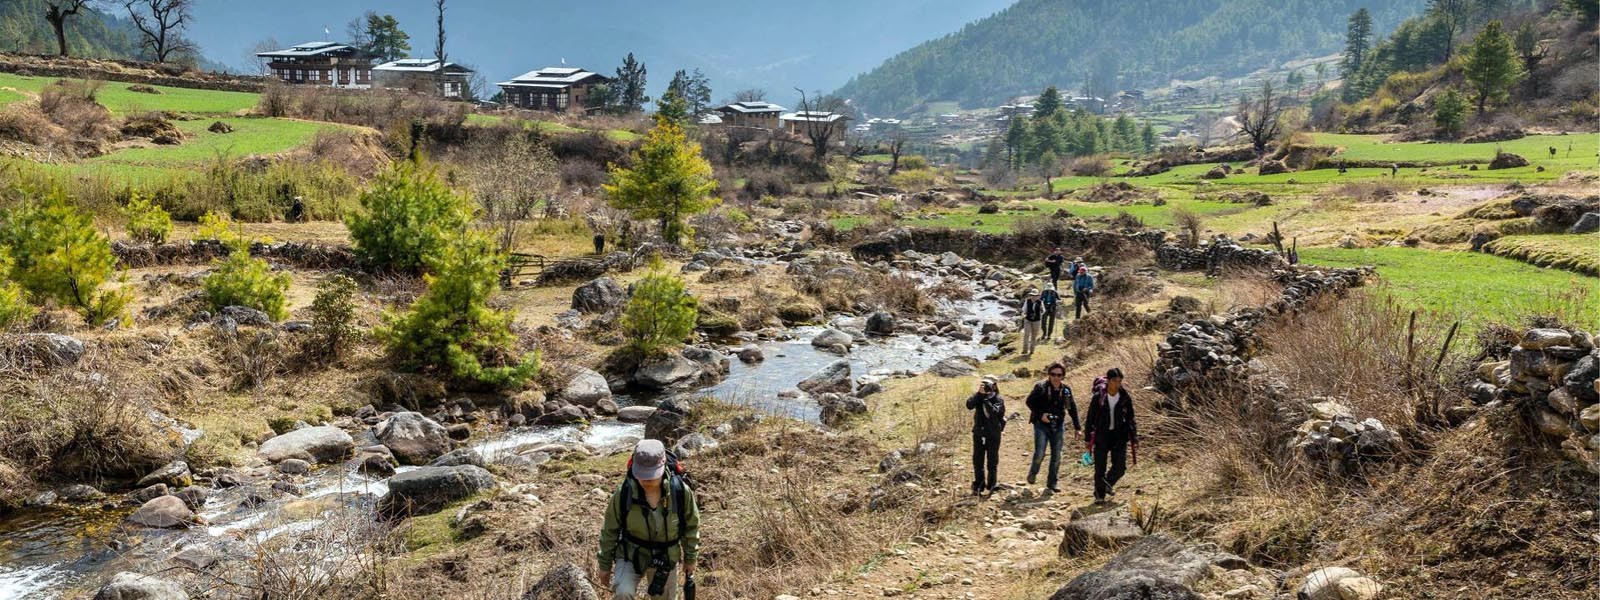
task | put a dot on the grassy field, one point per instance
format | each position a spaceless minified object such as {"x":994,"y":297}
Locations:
{"x":552,"y":127}
{"x":1471,"y":287}
{"x":250,"y":136}
{"x":1154,"y":216}
{"x":1572,"y":252}
{"x":1576,"y":149}
{"x":116,"y":97}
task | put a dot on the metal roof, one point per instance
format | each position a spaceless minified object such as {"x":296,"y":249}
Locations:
{"x":419,"y":65}
{"x":813,"y":116}
{"x":308,"y":49}
{"x":752,"y":107}
{"x":557,"y":76}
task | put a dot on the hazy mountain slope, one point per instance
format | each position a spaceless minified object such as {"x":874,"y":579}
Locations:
{"x":1035,"y":43}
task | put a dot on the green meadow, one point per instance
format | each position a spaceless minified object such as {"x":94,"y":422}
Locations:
{"x":116,"y":97}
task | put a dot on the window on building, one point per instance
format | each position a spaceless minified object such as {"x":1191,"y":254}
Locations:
{"x":561,"y":101}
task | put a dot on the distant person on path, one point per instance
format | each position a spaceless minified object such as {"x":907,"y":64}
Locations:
{"x":988,"y":421}
{"x":1032,"y":316}
{"x":1072,"y":268}
{"x":1052,"y":303}
{"x":652,"y":528}
{"x":1082,"y":287}
{"x":1053,"y":263}
{"x":599,"y":243}
{"x":1108,"y":429}
{"x":1049,"y":405}
{"x":1394,"y":170}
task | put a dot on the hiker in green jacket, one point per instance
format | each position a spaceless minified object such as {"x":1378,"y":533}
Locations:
{"x":652,"y":528}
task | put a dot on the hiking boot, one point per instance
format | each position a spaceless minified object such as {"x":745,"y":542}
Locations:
{"x":1055,"y":490}
{"x":1099,"y":500}
{"x":1032,"y":477}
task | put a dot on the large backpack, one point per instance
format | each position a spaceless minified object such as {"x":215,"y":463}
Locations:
{"x":676,"y":482}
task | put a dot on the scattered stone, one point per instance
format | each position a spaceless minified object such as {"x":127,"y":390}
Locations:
{"x":880,"y":323}
{"x":1588,"y":223}
{"x":133,"y":586}
{"x":164,"y":512}
{"x":1322,"y":584}
{"x":751,"y":354}
{"x":1108,"y":529}
{"x":1154,"y":568}
{"x":566,"y":582}
{"x":598,"y":296}
{"x":220,"y":127}
{"x":48,"y":350}
{"x":1507,"y":160}
{"x":311,"y":444}
{"x":427,"y":490}
{"x":414,"y":439}
{"x":832,"y":338}
{"x":834,"y":378}
{"x":635,"y":414}
{"x":79,"y":494}
{"x":666,"y":371}
{"x":174,"y":474}
{"x":586,"y":388}
{"x":294,"y":466}
{"x":955,"y":366}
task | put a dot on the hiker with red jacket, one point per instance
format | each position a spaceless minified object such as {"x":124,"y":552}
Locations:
{"x":1049,"y":405}
{"x":1108,"y":429}
{"x":652,"y":528}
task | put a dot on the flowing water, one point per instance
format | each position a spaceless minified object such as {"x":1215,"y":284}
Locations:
{"x":56,"y":552}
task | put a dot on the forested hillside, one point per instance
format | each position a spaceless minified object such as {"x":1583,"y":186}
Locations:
{"x":1101,"y":44}
{"x":91,"y":33}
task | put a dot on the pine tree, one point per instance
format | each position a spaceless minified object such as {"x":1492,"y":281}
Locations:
{"x":630,"y":86}
{"x":57,"y":254}
{"x":1016,"y":142}
{"x":660,"y":314}
{"x":668,"y":182}
{"x":1147,"y":138}
{"x":694,"y":89}
{"x":672,"y":109}
{"x":1357,"y":40}
{"x":1449,"y":113}
{"x":1492,"y":66}
{"x":1048,"y":104}
{"x":384,"y":37}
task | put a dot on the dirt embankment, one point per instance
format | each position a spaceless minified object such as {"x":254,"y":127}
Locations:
{"x":126,"y":71}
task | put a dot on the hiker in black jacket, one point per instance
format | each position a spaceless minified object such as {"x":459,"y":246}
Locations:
{"x":988,"y":420}
{"x":1108,"y":429}
{"x":1049,"y":405}
{"x":1053,"y":263}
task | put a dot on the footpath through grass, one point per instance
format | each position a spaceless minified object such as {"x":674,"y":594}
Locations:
{"x":1472,"y":287}
{"x":114,"y":95}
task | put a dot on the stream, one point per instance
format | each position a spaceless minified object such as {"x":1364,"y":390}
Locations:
{"x":65,"y":550}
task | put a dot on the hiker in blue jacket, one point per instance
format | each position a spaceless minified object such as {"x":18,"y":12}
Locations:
{"x":1052,"y":303}
{"x":1082,"y":287}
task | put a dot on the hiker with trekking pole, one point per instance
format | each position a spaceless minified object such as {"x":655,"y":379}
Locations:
{"x":1109,"y":431}
{"x":652,"y":529}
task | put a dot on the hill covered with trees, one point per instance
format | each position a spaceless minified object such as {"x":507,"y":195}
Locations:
{"x":1100,"y":45}
{"x":94,"y":32}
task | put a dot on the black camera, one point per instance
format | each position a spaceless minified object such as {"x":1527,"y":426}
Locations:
{"x":658,"y":579}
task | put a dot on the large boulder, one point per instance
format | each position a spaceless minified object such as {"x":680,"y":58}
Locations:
{"x":310,"y":444}
{"x":832,"y":338}
{"x":413,"y":438}
{"x":174,"y":474}
{"x":428,"y":490}
{"x":666,"y":423}
{"x":635,"y":414}
{"x":1154,"y":568}
{"x":834,"y":378}
{"x":1323,"y":584}
{"x":586,"y":388}
{"x":600,"y":295}
{"x":163,"y":512}
{"x":1272,"y":167}
{"x":1507,"y":160}
{"x":955,"y":366}
{"x":665,"y":371}
{"x":48,"y":350}
{"x":880,"y":323}
{"x":1588,"y":223}
{"x":458,"y":457}
{"x":133,"y":586}
{"x":1109,"y":529}
{"x":1539,"y":339}
{"x":566,"y":582}
{"x":838,"y":407}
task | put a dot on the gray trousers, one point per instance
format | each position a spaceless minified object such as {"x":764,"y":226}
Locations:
{"x":628,"y":585}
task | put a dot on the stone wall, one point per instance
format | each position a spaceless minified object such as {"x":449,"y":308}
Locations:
{"x":1217,"y":255}
{"x":1216,"y":351}
{"x":1553,"y":375}
{"x":125,"y":72}
{"x":1008,"y":248}
{"x":303,"y":255}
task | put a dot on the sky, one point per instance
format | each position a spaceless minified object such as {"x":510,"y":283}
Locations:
{"x":810,"y":44}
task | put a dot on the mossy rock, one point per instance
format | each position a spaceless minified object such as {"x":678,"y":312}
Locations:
{"x":717,"y":323}
{"x":800,"y":311}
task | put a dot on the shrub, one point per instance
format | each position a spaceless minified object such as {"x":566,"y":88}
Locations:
{"x":409,"y":216}
{"x":240,"y":280}
{"x":58,"y":255}
{"x":14,"y":307}
{"x":660,"y":314}
{"x":912,"y":179}
{"x":147,"y":222}
{"x":1089,"y":166}
{"x":914,"y":162}
{"x":218,"y":227}
{"x":451,"y":329}
{"x":1190,"y":223}
{"x":333,"y":317}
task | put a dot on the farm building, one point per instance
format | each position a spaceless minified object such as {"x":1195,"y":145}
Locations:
{"x":322,"y":63}
{"x":445,"y":79}
{"x":751,"y":114}
{"x":555,"y":89}
{"x":797,"y":123}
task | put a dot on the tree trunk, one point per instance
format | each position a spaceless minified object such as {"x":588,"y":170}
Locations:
{"x":61,"y":34}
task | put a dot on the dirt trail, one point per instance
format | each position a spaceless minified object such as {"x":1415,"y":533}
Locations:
{"x":1005,"y":546}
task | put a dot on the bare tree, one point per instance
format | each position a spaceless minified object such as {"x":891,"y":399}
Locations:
{"x":1205,"y":122}
{"x":821,"y":131}
{"x":477,"y":85}
{"x":438,"y":48}
{"x":509,"y":179}
{"x":355,"y":32}
{"x":56,"y":13}
{"x":750,"y":95}
{"x":1260,"y":118}
{"x":261,"y":63}
{"x":895,"y":143}
{"x":161,"y":22}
